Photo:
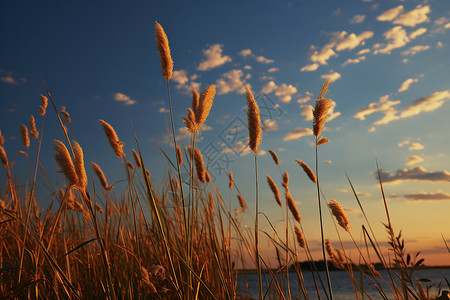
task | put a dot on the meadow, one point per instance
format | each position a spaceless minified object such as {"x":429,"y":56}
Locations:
{"x":180,"y":240}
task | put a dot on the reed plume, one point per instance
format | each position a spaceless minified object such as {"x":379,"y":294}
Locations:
{"x":300,"y":236}
{"x":79,"y":165}
{"x":335,"y":256}
{"x":338,"y":212}
{"x":292,"y":207}
{"x":43,"y":107}
{"x":2,"y":139}
{"x":285,"y":179}
{"x":64,"y":161}
{"x":274,"y":157}
{"x":113,"y":139}
{"x":3,"y":156}
{"x":254,"y":122}
{"x":24,"y":135}
{"x":200,"y":166}
{"x":321,"y":109}
{"x":231,"y":180}
{"x":33,"y":130}
{"x":191,"y":123}
{"x":242,"y":203}
{"x":205,"y":104}
{"x":207,"y":177}
{"x":195,"y":99}
{"x":23,"y":153}
{"x":179,"y":156}
{"x":274,"y":188}
{"x":101,"y":177}
{"x":130,"y":165}
{"x":164,"y":52}
{"x":307,"y":170}
{"x":65,"y":114}
{"x":136,"y":158}
{"x":322,"y":141}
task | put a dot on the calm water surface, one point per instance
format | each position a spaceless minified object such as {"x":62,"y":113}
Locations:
{"x":342,"y":284}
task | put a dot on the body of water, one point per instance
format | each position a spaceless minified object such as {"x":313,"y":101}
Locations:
{"x":342,"y":284}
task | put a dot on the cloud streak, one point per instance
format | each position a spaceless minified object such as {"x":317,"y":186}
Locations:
{"x":213,"y":58}
{"x":120,"y":97}
{"x":414,"y":174}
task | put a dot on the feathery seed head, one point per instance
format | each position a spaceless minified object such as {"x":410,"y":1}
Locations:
{"x":79,"y":165}
{"x":292,"y":207}
{"x":101,"y":177}
{"x":300,"y":236}
{"x":321,"y":109}
{"x":285,"y":179}
{"x":254,"y":122}
{"x":274,"y":188}
{"x":242,"y":203}
{"x":191,"y":123}
{"x":179,"y":156}
{"x":3,"y":156}
{"x":33,"y":130}
{"x":322,"y":141}
{"x":205,"y":104}
{"x":200,"y":166}
{"x":164,"y":52}
{"x":274,"y":157}
{"x":231,"y":180}
{"x":136,"y":158}
{"x":339,"y":214}
{"x":24,"y":135}
{"x":307,"y":170}
{"x":2,"y":139}
{"x":207,"y":177}
{"x":64,"y":161}
{"x":113,"y":139}
{"x":195,"y":99}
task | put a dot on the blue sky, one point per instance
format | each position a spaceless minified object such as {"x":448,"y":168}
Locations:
{"x":387,"y":61}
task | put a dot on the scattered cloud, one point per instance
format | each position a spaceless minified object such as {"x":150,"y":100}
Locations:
{"x":414,"y":174}
{"x":184,"y":82}
{"x":416,"y":146}
{"x":416,"y":49}
{"x":401,"y":144}
{"x":406,"y":84}
{"x":297,"y":133}
{"x":231,"y":81}
{"x":213,"y":58}
{"x":362,"y":194}
{"x":307,"y":112}
{"x":284,"y":92}
{"x":384,"y":105}
{"x":426,"y":104}
{"x":357,"y":19}
{"x":270,"y":125}
{"x":242,"y":149}
{"x":352,"y":41}
{"x":332,"y":75}
{"x":120,"y":97}
{"x":363,"y":51}
{"x":417,"y":33}
{"x":305,"y":98}
{"x":328,"y":162}
{"x":397,"y":38}
{"x":309,"y":68}
{"x":261,"y":59}
{"x":414,"y":17}
{"x":322,"y":56}
{"x":390,"y":14}
{"x":354,"y":60}
{"x":342,"y":190}
{"x":414,"y":159}
{"x":247,"y":67}
{"x":423,"y":196}
{"x":439,"y":45}
{"x":273,"y":70}
{"x":441,"y":21}
{"x":163,"y":110}
{"x":10,"y":78}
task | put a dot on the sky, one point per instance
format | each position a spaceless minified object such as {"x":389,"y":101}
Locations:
{"x":390,"y":88}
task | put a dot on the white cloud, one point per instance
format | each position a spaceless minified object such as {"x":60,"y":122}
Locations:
{"x":406,"y":84}
{"x":213,"y":58}
{"x":242,"y":150}
{"x":322,"y":56}
{"x":439,"y":45}
{"x":416,"y":146}
{"x":426,"y":104}
{"x":180,"y":77}
{"x":424,"y":196}
{"x":305,"y":98}
{"x":331,"y":113}
{"x":363,"y":51}
{"x":163,"y":110}
{"x":397,"y":37}
{"x":417,"y":33}
{"x":414,"y":174}
{"x":416,"y":49}
{"x":414,"y":17}
{"x":352,"y":41}
{"x":332,"y":75}
{"x":354,"y":60}
{"x":273,"y":70}
{"x":414,"y":159}
{"x":328,"y":162}
{"x":384,"y":105}
{"x":231,"y":81}
{"x":184,"y":82}
{"x":357,"y":19}
{"x":8,"y":79}
{"x":297,"y":133}
{"x":441,"y":21}
{"x":270,"y":125}
{"x":309,"y":68}
{"x":120,"y":97}
{"x":391,"y":14}
{"x":403,"y":143}
{"x":285,"y":92}
{"x":247,"y":67}
{"x":307,"y":112}
{"x":261,"y":59}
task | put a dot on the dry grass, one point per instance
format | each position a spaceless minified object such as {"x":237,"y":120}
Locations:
{"x":172,"y":241}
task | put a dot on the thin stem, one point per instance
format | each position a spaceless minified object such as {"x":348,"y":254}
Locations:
{"x":258,"y":264}
{"x":321,"y":224}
